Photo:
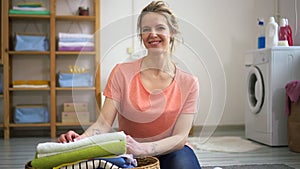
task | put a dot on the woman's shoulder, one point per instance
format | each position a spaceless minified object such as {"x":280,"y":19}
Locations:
{"x":185,"y":76}
{"x":129,"y":64}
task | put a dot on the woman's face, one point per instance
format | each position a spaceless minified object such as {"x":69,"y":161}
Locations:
{"x":155,"y":32}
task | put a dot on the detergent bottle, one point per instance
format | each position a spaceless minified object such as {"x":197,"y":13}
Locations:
{"x":289,"y":32}
{"x":283,"y":33}
{"x":271,"y":33}
{"x":261,"y":38}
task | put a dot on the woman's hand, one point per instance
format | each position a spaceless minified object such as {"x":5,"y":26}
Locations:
{"x":70,"y":136}
{"x":136,"y":148}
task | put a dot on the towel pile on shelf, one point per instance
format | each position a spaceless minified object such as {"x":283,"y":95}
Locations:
{"x":102,"y":149}
{"x":31,"y":84}
{"x":29,"y":8}
{"x":75,"y":42}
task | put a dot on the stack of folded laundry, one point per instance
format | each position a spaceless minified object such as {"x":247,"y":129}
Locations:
{"x":31,"y":84}
{"x":75,"y":42}
{"x":30,"y":8}
{"x":98,"y":151}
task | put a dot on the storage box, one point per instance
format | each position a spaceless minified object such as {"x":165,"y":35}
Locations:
{"x":31,"y":114}
{"x":76,"y":107}
{"x":294,"y":127}
{"x":75,"y":80}
{"x":31,"y":42}
{"x":75,"y":117}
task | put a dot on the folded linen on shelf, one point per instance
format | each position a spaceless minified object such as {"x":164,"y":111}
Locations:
{"x":75,"y":44}
{"x":52,"y":154}
{"x":76,"y":40}
{"x":29,"y":8}
{"x":22,"y":12}
{"x":76,"y":48}
{"x":75,"y":35}
{"x":30,"y":4}
{"x":30,"y":83}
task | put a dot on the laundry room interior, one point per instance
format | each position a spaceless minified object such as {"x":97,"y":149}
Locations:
{"x":248,"y":91}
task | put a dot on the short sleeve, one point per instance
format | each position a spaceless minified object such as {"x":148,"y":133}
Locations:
{"x":112,"y":89}
{"x":191,"y":103}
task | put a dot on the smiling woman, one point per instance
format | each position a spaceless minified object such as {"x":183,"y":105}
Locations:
{"x":155,"y":101}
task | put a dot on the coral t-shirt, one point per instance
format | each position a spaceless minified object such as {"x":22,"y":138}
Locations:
{"x":150,"y":115}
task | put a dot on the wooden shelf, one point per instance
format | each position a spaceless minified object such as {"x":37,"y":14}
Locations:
{"x":28,"y":53}
{"x":74,"y":53}
{"x":18,"y":16}
{"x":50,"y":63}
{"x":75,"y":18}
{"x":28,"y":89}
{"x":30,"y":125}
{"x":75,"y":88}
{"x":61,"y":124}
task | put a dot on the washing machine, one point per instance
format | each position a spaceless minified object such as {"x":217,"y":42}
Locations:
{"x":267,"y":72}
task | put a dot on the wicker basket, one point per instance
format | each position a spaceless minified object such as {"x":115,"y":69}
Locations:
{"x":143,"y":163}
{"x":148,"y":163}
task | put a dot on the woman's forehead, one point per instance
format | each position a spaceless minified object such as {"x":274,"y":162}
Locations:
{"x":152,"y":19}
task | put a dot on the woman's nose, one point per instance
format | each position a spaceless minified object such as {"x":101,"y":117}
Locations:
{"x":153,"y":33}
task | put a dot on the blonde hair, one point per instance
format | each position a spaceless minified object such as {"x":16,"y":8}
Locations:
{"x":163,"y":9}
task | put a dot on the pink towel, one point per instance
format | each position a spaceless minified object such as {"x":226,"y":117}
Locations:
{"x":292,"y":94}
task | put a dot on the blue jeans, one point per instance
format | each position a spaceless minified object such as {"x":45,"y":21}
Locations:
{"x":184,"y":158}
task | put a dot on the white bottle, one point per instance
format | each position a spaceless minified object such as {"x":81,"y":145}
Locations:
{"x":271,"y":33}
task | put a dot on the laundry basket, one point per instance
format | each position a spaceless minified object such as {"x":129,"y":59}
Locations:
{"x":148,"y":163}
{"x":143,"y":163}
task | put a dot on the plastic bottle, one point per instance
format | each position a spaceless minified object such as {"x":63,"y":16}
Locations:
{"x":283,"y":33}
{"x":271,"y":33}
{"x":261,"y":38}
{"x":290,"y":33}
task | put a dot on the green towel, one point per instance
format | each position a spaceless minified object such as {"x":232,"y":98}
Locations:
{"x":105,"y":149}
{"x":46,"y":12}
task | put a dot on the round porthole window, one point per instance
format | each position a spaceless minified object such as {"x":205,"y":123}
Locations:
{"x":255,"y":92}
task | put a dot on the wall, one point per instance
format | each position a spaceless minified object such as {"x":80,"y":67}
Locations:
{"x":218,"y":33}
{"x":290,"y":9}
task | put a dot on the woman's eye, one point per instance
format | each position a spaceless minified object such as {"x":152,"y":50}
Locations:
{"x":161,"y":28}
{"x":146,"y":30}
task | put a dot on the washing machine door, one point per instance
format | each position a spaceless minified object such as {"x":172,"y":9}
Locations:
{"x":256,"y":91}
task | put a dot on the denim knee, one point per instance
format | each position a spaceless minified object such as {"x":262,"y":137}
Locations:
{"x":184,"y":158}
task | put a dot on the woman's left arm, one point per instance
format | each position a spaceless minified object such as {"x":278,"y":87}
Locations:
{"x":169,"y":144}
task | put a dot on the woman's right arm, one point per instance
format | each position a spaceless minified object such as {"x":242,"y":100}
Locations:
{"x":102,"y":125}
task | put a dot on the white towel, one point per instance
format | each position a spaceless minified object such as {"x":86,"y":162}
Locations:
{"x":74,"y":44}
{"x":74,"y":35}
{"x":49,"y":148}
{"x":30,"y":8}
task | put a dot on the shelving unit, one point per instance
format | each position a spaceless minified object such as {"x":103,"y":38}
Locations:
{"x":49,"y":64}
{"x":1,"y":63}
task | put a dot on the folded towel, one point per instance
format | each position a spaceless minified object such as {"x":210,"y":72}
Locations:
{"x":76,"y":39}
{"x":30,"y":8}
{"x":31,"y":82}
{"x":30,"y":86}
{"x":75,"y":35}
{"x":81,"y":154}
{"x":22,"y":12}
{"x":54,"y":154}
{"x":292,"y":94}
{"x":53,"y":147}
{"x":30,"y":4}
{"x":77,"y":48}
{"x":74,"y":44}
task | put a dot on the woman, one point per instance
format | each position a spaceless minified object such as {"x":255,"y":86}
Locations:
{"x":154,"y":100}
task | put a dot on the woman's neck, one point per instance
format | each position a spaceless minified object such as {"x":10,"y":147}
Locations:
{"x":159,"y":63}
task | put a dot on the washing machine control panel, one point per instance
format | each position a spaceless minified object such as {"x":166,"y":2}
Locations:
{"x":256,"y":58}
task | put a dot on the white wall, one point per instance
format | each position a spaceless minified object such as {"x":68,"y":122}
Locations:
{"x":228,"y":27}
